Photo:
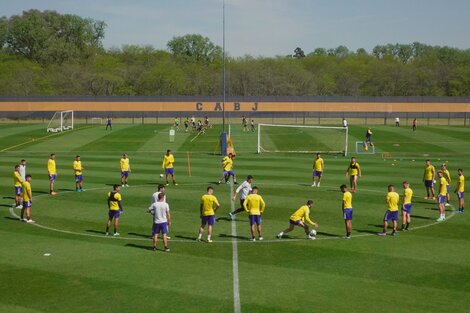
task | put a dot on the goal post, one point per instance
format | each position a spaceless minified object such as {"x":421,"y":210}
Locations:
{"x":302,"y":139}
{"x":60,"y":121}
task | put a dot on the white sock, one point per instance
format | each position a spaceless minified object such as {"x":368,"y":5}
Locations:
{"x":199,"y":236}
{"x":208,"y":237}
{"x":281,"y":234}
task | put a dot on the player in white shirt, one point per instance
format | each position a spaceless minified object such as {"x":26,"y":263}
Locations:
{"x":160,"y":189}
{"x":23,"y":169}
{"x":243,"y":190}
{"x":161,"y":220}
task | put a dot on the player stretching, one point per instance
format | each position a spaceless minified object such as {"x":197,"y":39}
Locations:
{"x":209,"y":205}
{"x":18,"y":181}
{"x":406,"y":208}
{"x":347,"y":209}
{"x":27,"y":200}
{"x":115,"y":209}
{"x":77,"y":169}
{"x":429,"y":179}
{"x":391,"y":214}
{"x":167,"y":165}
{"x":160,"y":211}
{"x":254,"y":205}
{"x":243,"y":190}
{"x":318,"y":168}
{"x":300,"y":218}
{"x":354,"y":171}
{"x":125,"y":170}
{"x":446,"y":175}
{"x":459,"y":190}
{"x":52,"y":172}
{"x":442,"y":197}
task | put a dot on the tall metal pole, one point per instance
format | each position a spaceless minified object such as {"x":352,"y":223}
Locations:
{"x":223,"y":62}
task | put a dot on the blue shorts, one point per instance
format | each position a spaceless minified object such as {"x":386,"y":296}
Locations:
{"x":255,"y":219}
{"x":441,"y":199}
{"x":348,"y":214}
{"x":170,"y":171}
{"x":228,"y":173}
{"x":391,"y":216}
{"x":124,"y":173}
{"x":428,"y":184}
{"x":317,"y":173}
{"x":78,"y":178}
{"x":114,"y":214}
{"x":52,"y":177}
{"x":448,"y":188}
{"x":209,"y":220}
{"x":406,"y":208}
{"x":18,"y":190}
{"x":460,"y":195}
{"x":27,"y":204}
{"x":295,"y":222}
{"x":160,"y":228}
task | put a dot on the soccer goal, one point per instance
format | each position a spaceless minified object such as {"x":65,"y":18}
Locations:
{"x":96,"y":121}
{"x":62,"y":120}
{"x":302,"y":139}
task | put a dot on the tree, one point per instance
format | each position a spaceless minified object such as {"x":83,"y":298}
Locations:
{"x":195,"y":47}
{"x":3,"y":32}
{"x":299,"y":53}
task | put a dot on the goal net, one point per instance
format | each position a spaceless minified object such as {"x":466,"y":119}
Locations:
{"x":302,"y":139}
{"x":96,"y":121}
{"x":60,"y":121}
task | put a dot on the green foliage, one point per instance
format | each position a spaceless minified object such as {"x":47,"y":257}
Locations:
{"x":195,"y":47}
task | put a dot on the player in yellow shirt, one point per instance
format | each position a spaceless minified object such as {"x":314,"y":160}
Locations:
{"x":77,"y":170}
{"x":114,"y":209}
{"x":27,"y":200}
{"x":446,"y":174}
{"x":429,"y":179}
{"x":347,"y":209}
{"x":255,"y":206}
{"x":125,"y":170}
{"x":318,"y":168}
{"x":52,"y":172}
{"x":209,"y":205}
{"x":227,"y":167}
{"x":406,"y":207}
{"x":391,"y":214}
{"x":459,"y":190}
{"x":442,"y":196}
{"x":300,"y":218}
{"x":18,"y":181}
{"x":168,"y":166}
{"x":353,"y":171}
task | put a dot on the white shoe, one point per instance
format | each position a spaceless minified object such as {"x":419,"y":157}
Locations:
{"x":279,"y":236}
{"x":19,"y":206}
{"x":253,"y":239}
{"x":313,"y":185}
{"x":260,"y":238}
{"x":127,"y":185}
{"x":441,"y":219}
{"x":30,"y":221}
{"x":123,"y":185}
{"x":116,"y":234}
{"x":447,"y":204}
{"x":107,"y":234}
{"x":318,"y":185}
{"x":310,"y":238}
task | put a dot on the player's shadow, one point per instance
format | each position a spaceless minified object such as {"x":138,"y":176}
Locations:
{"x":10,"y":218}
{"x":327,"y":234}
{"x":421,"y":217}
{"x":41,"y":192}
{"x":9,"y":198}
{"x":186,"y":237}
{"x":234,"y":237}
{"x":6,"y":205}
{"x":133,"y":245}
{"x":368,"y":231}
{"x":228,"y":219}
{"x":140,"y":235}
{"x":66,"y":189}
{"x":96,"y":231}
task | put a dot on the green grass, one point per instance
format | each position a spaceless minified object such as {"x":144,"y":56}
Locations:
{"x":423,"y":270}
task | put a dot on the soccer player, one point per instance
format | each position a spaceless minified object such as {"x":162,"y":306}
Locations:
{"x":318,"y":168}
{"x":442,"y":196}
{"x":209,"y":205}
{"x":244,"y":123}
{"x":176,"y":124}
{"x":347,"y":209}
{"x":18,"y":181}
{"x":160,"y":211}
{"x":354,"y":171}
{"x":115,"y":209}
{"x":391,"y":214}
{"x":186,"y":124}
{"x":77,"y":169}
{"x":125,"y":170}
{"x":397,"y":121}
{"x":344,"y":123}
{"x":446,"y":175}
{"x":459,"y":190}
{"x":227,"y":166}
{"x":243,"y":190}
{"x":52,"y":172}
{"x":27,"y":200}
{"x":368,"y":139}
{"x":109,"y":123}
{"x":406,"y":208}
{"x":207,"y":123}
{"x":167,"y":165}
{"x":160,"y":189}
{"x":252,"y":124}
{"x":300,"y":218}
{"x":429,"y":179}
{"x":23,"y":169}
{"x":415,"y":124}
{"x":255,"y":206}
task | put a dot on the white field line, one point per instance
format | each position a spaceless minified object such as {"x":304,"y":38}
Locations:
{"x":236,"y":282}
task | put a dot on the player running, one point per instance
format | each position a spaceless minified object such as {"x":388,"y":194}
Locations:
{"x":429,"y":179}
{"x":459,"y":190}
{"x":446,"y":175}
{"x":300,"y":218}
{"x":114,"y":209}
{"x":125,"y":170}
{"x":168,"y":167}
{"x":18,"y":181}
{"x":318,"y":168}
{"x":406,"y":207}
{"x":160,"y":211}
{"x":176,"y":124}
{"x":209,"y":205}
{"x":52,"y":172}
{"x":442,"y":197}
{"x":243,"y":190}
{"x":27,"y":200}
{"x":227,"y":166}
{"x":77,"y":169}
{"x":347,"y":209}
{"x":255,"y":206}
{"x":391,"y":214}
{"x":354,"y":171}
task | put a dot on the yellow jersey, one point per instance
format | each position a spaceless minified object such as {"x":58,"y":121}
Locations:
{"x":429,"y":172}
{"x":461,"y":184}
{"x":17,"y":179}
{"x":318,"y":165}
{"x":168,"y":161}
{"x":113,"y":203}
{"x":77,"y":167}
{"x":407,"y":195}
{"x":302,"y":214}
{"x":27,"y":191}
{"x":353,"y":169}
{"x":347,"y":200}
{"x":208,"y":204}
{"x":446,"y":175}
{"x":392,"y":200}
{"x":125,"y":164}
{"x":254,"y":204}
{"x":443,"y":186}
{"x":51,"y":167}
{"x":227,"y":163}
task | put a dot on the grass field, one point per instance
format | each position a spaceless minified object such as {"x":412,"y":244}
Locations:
{"x":423,"y":270}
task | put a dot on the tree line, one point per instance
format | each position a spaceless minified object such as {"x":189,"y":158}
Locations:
{"x":48,"y":53}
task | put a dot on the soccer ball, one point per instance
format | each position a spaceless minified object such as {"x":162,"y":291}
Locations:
{"x":313,"y":233}
{"x":161,"y":175}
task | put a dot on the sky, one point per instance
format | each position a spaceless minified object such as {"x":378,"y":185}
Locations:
{"x":270,"y":27}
